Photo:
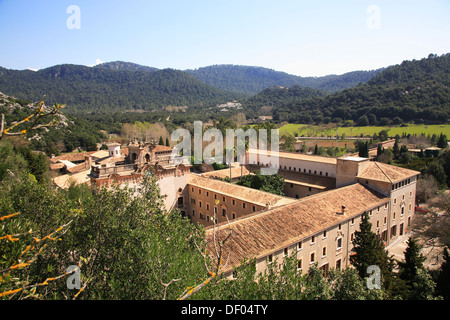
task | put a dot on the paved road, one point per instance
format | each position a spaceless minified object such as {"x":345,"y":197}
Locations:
{"x":433,"y":254}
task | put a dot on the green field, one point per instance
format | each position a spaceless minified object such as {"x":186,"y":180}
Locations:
{"x":328,"y":130}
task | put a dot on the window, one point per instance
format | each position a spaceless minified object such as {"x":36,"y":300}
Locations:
{"x":224,"y":212}
{"x":292,"y":185}
{"x":313,"y":257}
{"x":234,"y":202}
{"x":338,"y":264}
{"x":199,"y":191}
{"x":207,"y":193}
{"x":325,"y":234}
{"x":234,"y":215}
{"x":207,"y":218}
{"x":339,"y":243}
{"x":207,"y":206}
{"x":299,"y":246}
{"x":192,"y":201}
{"x":313,"y":239}
{"x":286,"y":251}
{"x":299,"y":264}
{"x":324,"y":251}
{"x":353,"y":221}
{"x":199,"y":204}
{"x":339,"y":227}
{"x":254,"y":208}
{"x":180,"y":201}
{"x":193,"y":213}
{"x":243,"y":205}
{"x":223,"y":198}
{"x":309,"y":189}
{"x":270,"y":258}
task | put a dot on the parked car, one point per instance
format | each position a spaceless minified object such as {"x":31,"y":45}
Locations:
{"x":420,"y":209}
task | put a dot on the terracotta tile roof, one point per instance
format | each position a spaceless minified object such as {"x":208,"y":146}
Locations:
{"x":309,"y":180}
{"x":64,"y":181}
{"x":263,"y":233}
{"x":70,"y":157}
{"x":384,"y":172}
{"x":95,"y":155}
{"x":298,"y":156}
{"x":222,"y":174}
{"x":239,"y":192}
{"x":160,"y":148}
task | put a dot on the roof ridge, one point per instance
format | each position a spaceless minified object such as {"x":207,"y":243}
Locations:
{"x":376,"y":163}
{"x":294,"y":203}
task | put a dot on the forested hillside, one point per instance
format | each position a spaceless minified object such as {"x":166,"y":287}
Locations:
{"x":412,"y":91}
{"x":251,"y":80}
{"x":102,"y":89}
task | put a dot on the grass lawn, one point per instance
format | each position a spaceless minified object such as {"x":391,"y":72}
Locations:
{"x":324,"y":130}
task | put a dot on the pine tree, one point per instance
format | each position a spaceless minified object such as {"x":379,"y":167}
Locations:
{"x":369,"y":250}
{"x":161,"y":141}
{"x":413,"y":262}
{"x":443,"y":280}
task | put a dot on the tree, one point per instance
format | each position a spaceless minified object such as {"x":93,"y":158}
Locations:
{"x":396,"y":149}
{"x":269,"y":183}
{"x":364,"y":149}
{"x":436,"y":170}
{"x":368,"y":250}
{"x":443,"y":279}
{"x":413,"y":264}
{"x":161,"y":141}
{"x":442,"y":141}
{"x":383,"y":135}
{"x":288,"y":143}
{"x":363,"y":121}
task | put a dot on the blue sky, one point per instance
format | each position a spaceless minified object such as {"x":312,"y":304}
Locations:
{"x":306,"y":38}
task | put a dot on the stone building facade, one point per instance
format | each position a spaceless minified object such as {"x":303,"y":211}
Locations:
{"x":316,"y":220}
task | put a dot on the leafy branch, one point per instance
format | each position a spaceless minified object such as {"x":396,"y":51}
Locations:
{"x":31,"y":121}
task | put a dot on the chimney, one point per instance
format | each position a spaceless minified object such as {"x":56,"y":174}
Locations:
{"x":267,"y":206}
{"x":343,"y":210}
